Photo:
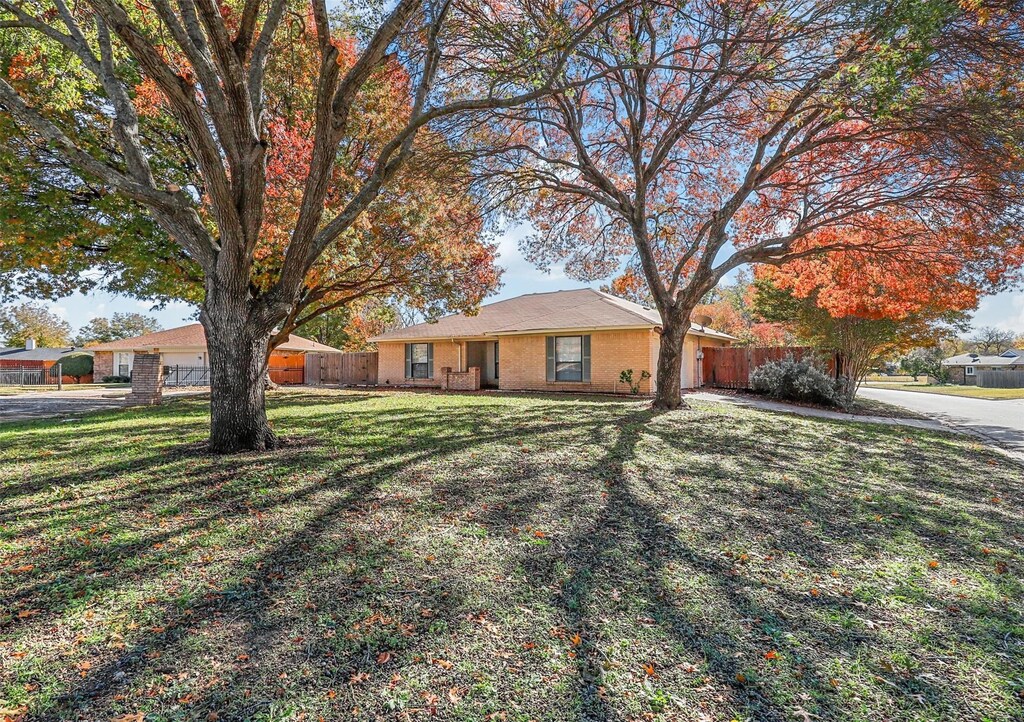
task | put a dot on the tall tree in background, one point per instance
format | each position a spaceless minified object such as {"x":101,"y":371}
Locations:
{"x":711,"y":135}
{"x":991,"y":340}
{"x":177,"y":109}
{"x":19,"y":323}
{"x":115,"y":328}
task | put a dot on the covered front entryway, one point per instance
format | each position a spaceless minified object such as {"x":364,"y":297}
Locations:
{"x":485,"y":356}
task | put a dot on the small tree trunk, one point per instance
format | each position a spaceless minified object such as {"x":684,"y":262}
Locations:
{"x":238,"y":374}
{"x":670,"y":364}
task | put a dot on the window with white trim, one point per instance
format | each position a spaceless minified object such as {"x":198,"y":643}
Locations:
{"x":969,"y":371}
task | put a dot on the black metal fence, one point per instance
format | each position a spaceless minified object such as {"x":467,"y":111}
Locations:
{"x":29,"y":376}
{"x":186,"y":375}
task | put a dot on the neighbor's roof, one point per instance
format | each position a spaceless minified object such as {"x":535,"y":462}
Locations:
{"x":582,"y":308}
{"x":193,"y":336}
{"x":1006,"y":358}
{"x":39,"y":354}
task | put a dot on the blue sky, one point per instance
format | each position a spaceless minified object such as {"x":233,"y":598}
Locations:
{"x":1005,"y":310}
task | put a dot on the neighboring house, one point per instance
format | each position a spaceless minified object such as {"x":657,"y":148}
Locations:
{"x":578,"y":340}
{"x":963,"y":369}
{"x":35,"y":357}
{"x":185,"y":360}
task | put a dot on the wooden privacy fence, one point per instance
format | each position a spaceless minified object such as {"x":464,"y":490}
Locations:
{"x":353,"y":369}
{"x":1001,"y":379}
{"x":287,"y":368}
{"x":729,"y":367}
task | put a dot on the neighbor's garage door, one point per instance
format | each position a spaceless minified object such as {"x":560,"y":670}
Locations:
{"x":186,"y":368}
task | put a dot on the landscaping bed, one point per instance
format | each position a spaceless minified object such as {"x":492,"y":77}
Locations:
{"x":507,"y":557}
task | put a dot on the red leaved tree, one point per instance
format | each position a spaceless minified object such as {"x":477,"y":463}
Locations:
{"x":709,"y":135}
{"x":182,"y":109}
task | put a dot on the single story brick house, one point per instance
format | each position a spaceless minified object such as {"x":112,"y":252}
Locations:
{"x":963,"y":369}
{"x":578,"y":340}
{"x":185,"y":360}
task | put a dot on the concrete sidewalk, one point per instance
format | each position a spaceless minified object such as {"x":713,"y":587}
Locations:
{"x":926,"y":424}
{"x":781,"y":407}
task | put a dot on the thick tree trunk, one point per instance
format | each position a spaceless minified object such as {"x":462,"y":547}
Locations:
{"x":238,"y":373}
{"x":670,"y":364}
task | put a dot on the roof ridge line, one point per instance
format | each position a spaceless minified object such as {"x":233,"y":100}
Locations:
{"x":606,"y":297}
{"x":542,"y":315}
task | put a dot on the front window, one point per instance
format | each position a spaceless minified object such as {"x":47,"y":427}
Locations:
{"x":420,"y":355}
{"x":569,"y":358}
{"x":970,"y":371}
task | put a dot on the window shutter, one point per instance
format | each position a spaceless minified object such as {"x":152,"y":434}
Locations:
{"x":586,"y":359}
{"x":430,"y":360}
{"x":408,"y":360}
{"x":551,"y":358}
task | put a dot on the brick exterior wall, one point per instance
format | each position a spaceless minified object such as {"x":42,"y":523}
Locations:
{"x":957,"y":375}
{"x":524,"y":362}
{"x":102,"y":364}
{"x":391,"y":363}
{"x":461,"y":381}
{"x":147,"y":380}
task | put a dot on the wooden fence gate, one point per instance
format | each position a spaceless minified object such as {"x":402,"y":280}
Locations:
{"x":351,"y":369}
{"x":729,"y":367}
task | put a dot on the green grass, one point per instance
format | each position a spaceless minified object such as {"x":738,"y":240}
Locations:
{"x":501,"y":557}
{"x":974,"y":392}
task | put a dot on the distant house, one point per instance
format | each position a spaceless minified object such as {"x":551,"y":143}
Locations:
{"x":578,"y":340}
{"x":31,"y":356}
{"x":185,"y":359}
{"x":963,"y":369}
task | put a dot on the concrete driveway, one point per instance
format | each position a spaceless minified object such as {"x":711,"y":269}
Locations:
{"x":1001,"y":422}
{"x":49,"y":404}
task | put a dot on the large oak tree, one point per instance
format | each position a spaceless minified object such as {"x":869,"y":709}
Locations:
{"x":708,"y":135}
{"x":172,"y":107}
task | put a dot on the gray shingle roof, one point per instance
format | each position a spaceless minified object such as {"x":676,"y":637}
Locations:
{"x":582,"y":308}
{"x":39,"y":354}
{"x":1013,"y":357}
{"x":194,"y":336}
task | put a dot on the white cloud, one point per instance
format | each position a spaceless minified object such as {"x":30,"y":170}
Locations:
{"x":1004,"y":310}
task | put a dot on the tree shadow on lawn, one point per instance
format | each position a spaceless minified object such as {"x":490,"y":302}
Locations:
{"x":449,"y":551}
{"x":68,"y":575}
{"x":786,"y":650}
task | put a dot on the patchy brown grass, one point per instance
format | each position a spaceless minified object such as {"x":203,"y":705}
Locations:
{"x":501,"y":557}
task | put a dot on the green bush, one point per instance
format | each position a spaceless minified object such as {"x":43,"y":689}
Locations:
{"x":117,"y":379}
{"x":76,"y":365}
{"x":804,"y":380}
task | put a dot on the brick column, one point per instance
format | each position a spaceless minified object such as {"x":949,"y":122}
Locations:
{"x":445,"y":373}
{"x":147,"y":380}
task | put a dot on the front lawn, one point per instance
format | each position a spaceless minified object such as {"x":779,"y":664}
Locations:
{"x":974,"y":392}
{"x":500,"y":557}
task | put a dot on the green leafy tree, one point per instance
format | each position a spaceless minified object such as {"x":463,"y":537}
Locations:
{"x":924,"y":361}
{"x":32,"y":320}
{"x":115,"y":328}
{"x":76,"y":365}
{"x":276,"y":146}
